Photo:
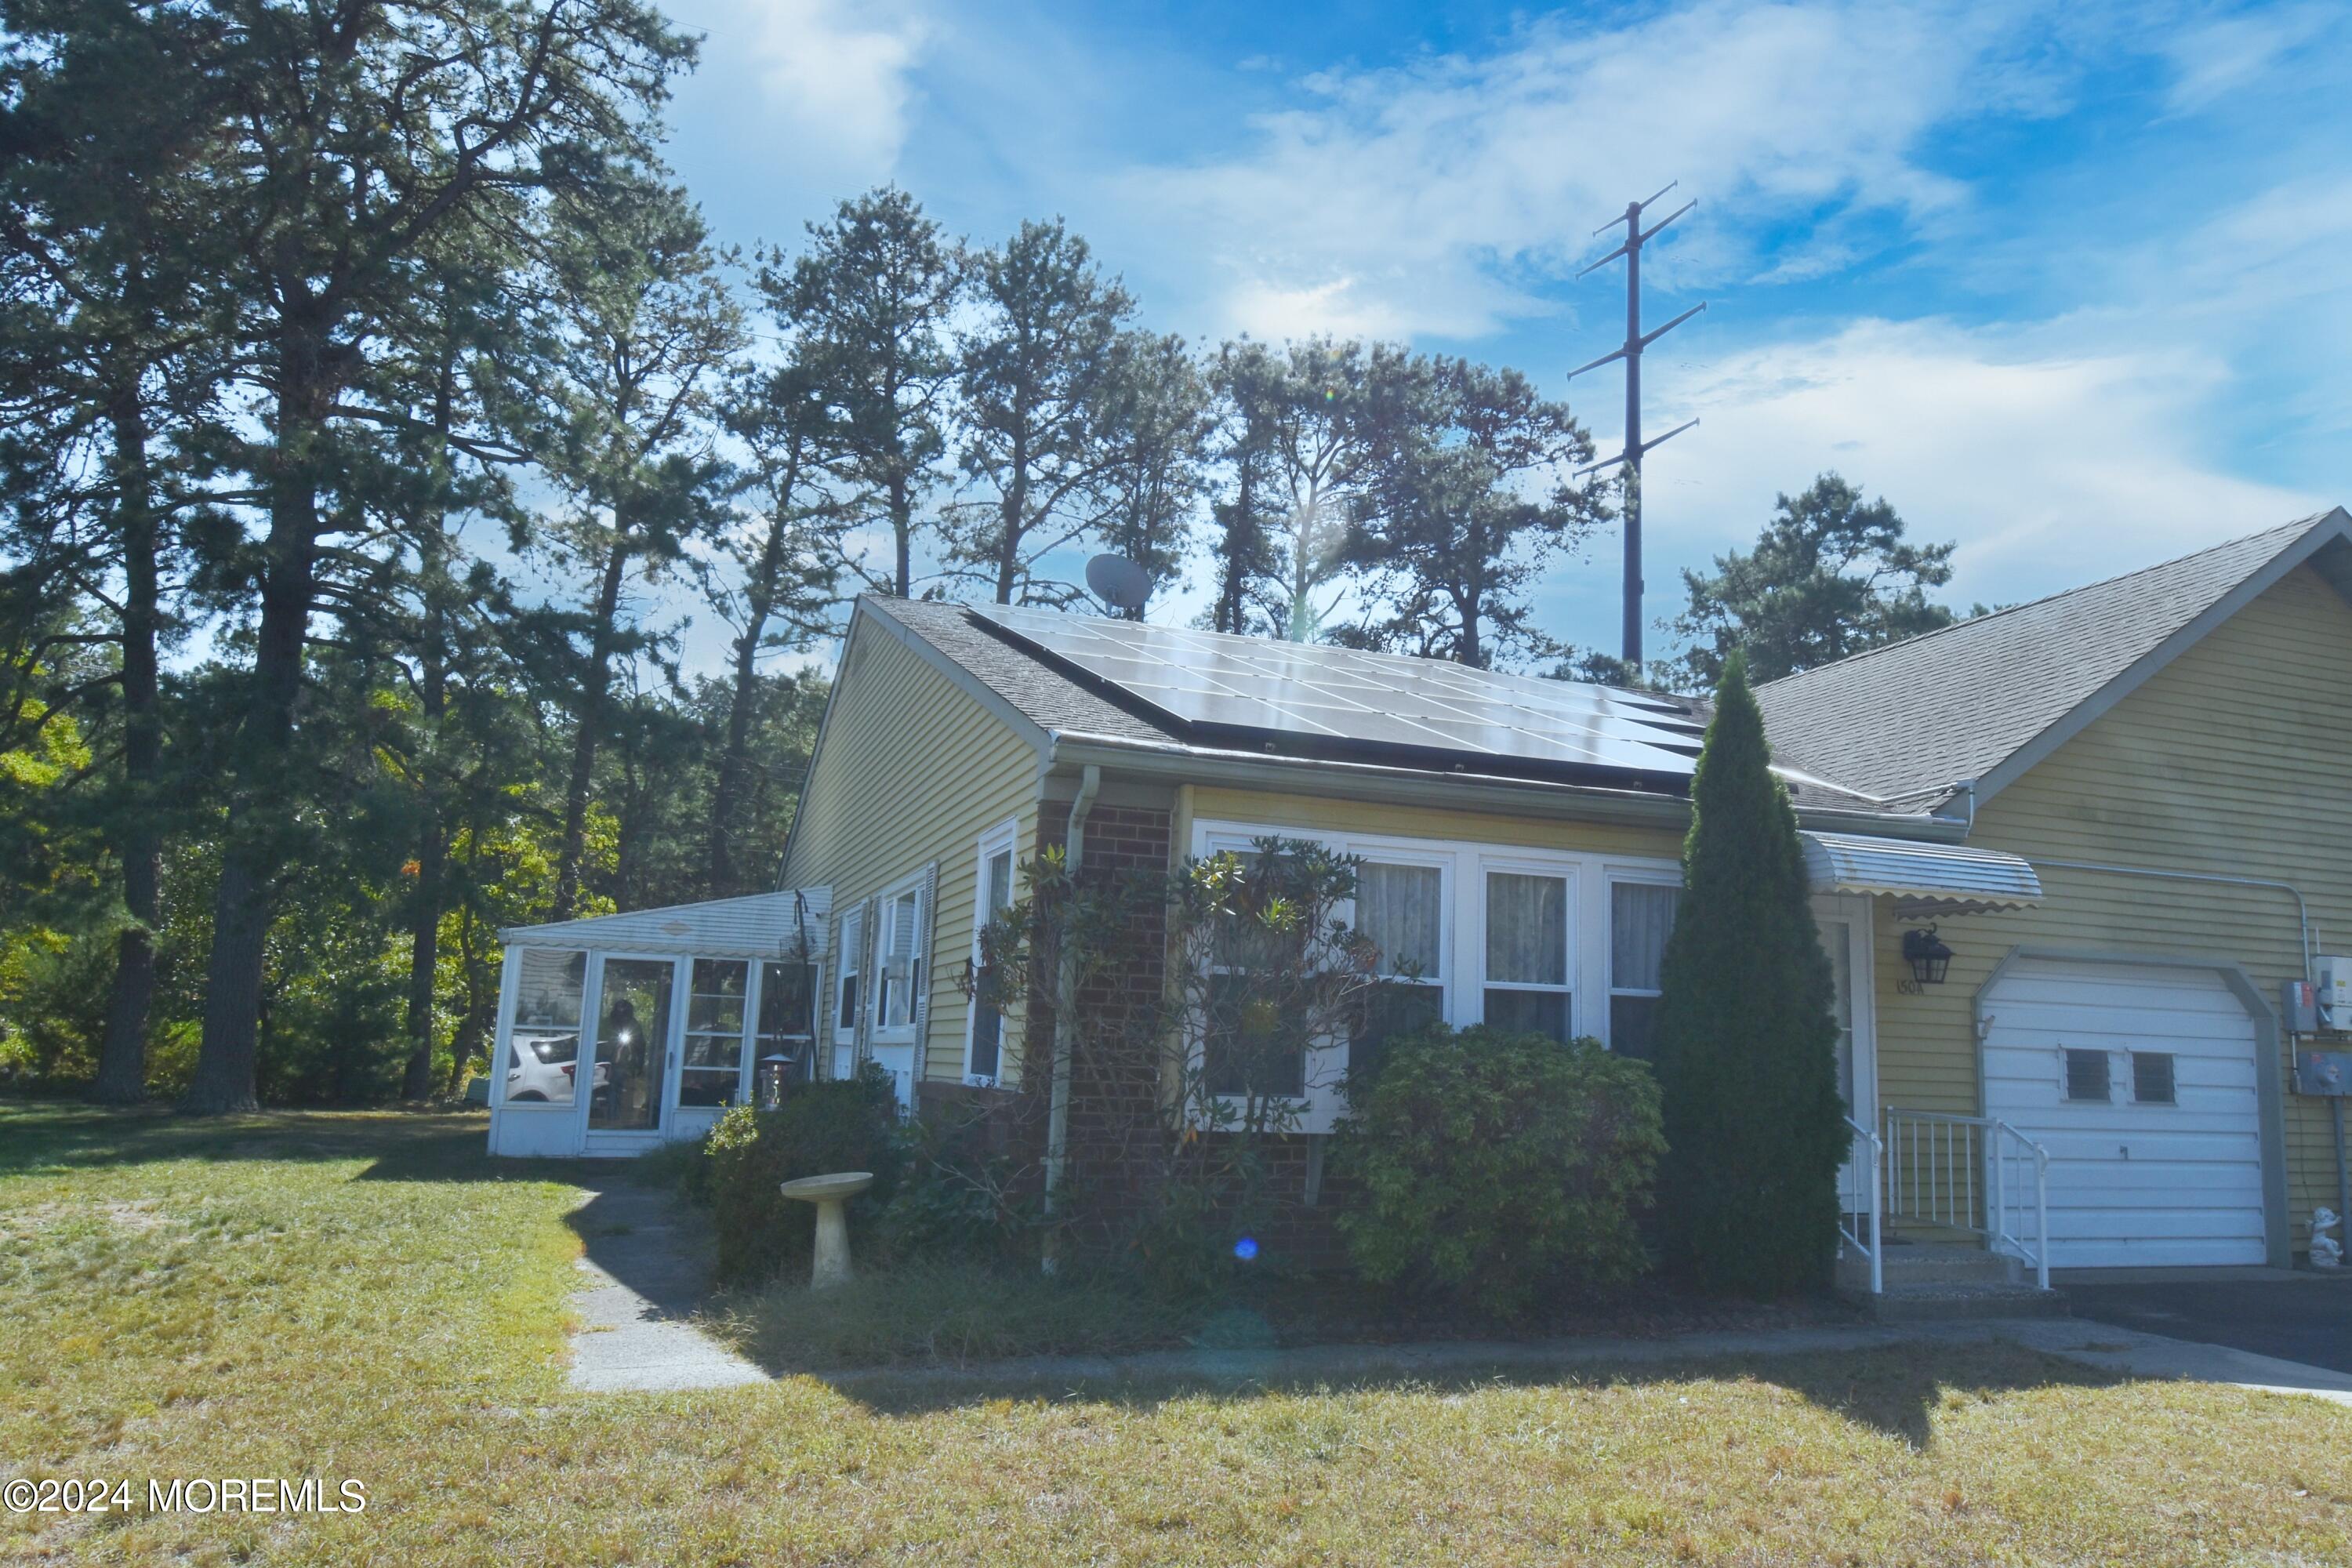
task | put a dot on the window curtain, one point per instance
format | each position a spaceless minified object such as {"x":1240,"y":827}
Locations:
{"x":1527,"y":929}
{"x":1642,"y":918}
{"x":1398,"y":909}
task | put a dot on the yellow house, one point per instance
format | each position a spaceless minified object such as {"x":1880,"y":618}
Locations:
{"x":2071,"y":861}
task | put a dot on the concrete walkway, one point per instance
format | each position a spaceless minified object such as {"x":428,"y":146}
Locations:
{"x":646,"y":1268}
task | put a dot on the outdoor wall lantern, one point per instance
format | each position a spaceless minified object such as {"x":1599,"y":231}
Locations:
{"x":1925,"y":952}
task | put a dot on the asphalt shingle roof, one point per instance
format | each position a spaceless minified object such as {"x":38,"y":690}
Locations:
{"x":1914,"y":718}
{"x":1037,"y":690}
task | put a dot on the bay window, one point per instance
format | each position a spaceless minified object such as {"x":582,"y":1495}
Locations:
{"x":1556,"y":942}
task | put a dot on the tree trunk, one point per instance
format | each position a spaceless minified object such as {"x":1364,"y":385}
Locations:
{"x":123,"y":1050}
{"x":251,"y":854}
{"x":1013,"y":521}
{"x":595,"y":682}
{"x":470,"y":1031}
{"x":1233,"y":584}
{"x":433,"y":848}
{"x":736,"y":761}
{"x":734,"y":764}
{"x":424,"y":960}
{"x":902,"y":526}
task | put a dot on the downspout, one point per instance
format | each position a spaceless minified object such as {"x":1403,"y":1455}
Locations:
{"x":1057,"y":1105}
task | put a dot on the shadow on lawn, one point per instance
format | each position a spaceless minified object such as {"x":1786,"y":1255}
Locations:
{"x":647,"y":1239}
{"x":403,"y":1145}
{"x":1892,"y":1389}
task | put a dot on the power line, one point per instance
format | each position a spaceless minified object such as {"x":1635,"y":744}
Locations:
{"x":1635,"y":341}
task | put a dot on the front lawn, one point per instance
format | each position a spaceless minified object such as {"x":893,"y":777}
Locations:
{"x":367,"y":1297}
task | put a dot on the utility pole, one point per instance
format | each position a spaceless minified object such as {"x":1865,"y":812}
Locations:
{"x":1636,"y":340}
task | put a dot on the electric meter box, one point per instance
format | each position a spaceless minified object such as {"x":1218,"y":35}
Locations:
{"x":2333,"y":978}
{"x":2325,"y":1073}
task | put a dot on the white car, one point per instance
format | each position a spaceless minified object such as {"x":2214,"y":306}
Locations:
{"x":541,"y":1066}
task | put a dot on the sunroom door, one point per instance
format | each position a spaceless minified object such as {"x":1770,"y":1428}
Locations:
{"x":1844,"y":922}
{"x":633,"y":1044}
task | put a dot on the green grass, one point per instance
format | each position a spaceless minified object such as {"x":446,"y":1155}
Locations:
{"x":366,"y":1296}
{"x":945,"y":1315}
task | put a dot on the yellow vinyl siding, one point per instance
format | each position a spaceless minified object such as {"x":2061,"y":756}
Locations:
{"x":1326,"y":815}
{"x":911,"y":769}
{"x":2234,"y":759}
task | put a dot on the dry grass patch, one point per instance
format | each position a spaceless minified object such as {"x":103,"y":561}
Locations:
{"x":372,"y":1298}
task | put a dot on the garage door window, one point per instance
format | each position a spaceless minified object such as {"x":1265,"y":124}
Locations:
{"x":2086,"y":1075}
{"x":2152,"y":1078}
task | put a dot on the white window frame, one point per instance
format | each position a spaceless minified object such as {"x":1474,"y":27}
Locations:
{"x":743,"y":1034}
{"x":850,"y":964}
{"x":1004,"y":838}
{"x":881,"y":1032}
{"x":1645,"y":874}
{"x":1465,"y":864}
{"x":1568,"y":867}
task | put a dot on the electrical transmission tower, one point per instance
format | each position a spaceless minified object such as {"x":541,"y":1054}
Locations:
{"x":1636,"y":340}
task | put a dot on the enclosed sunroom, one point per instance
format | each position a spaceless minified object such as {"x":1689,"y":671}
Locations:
{"x":617,"y":1032}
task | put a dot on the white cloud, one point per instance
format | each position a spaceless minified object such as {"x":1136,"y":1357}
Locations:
{"x":1439,"y":195}
{"x":2056,"y":456}
{"x":839,"y":73}
{"x":2228,"y":55}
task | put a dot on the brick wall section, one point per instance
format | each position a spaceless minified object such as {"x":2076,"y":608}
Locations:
{"x":1114,"y":1102}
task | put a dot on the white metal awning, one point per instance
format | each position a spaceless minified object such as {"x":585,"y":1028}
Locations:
{"x":763,"y":925}
{"x":1923,"y":879}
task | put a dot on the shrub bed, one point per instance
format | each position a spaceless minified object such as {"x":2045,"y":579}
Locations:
{"x":1494,"y":1165}
{"x":847,"y":1124}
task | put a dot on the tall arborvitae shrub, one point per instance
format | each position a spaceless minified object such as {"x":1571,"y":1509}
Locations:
{"x":1746,"y":1047}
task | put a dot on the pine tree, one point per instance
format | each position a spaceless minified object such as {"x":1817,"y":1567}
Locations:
{"x":1746,"y":1046}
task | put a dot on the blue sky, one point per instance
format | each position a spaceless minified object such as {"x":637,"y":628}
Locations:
{"x":2066,"y":284}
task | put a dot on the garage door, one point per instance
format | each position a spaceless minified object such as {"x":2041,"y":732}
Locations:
{"x":2140,"y":1082}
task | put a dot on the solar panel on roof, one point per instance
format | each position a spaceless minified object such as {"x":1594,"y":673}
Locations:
{"x":1212,"y":687}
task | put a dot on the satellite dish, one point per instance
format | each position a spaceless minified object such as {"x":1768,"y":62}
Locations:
{"x":1119,"y":581}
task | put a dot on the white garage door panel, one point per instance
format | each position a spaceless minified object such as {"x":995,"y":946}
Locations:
{"x":2133,"y":1184}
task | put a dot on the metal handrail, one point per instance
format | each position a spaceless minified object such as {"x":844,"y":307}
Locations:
{"x":1862,"y":1189}
{"x":1936,"y":1162}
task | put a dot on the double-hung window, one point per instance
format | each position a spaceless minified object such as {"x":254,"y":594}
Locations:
{"x":1528,"y":952}
{"x":850,"y":966}
{"x":992,"y":896}
{"x":1401,"y":909}
{"x":1249,"y":1049}
{"x":898,"y":983}
{"x":1640,"y":917}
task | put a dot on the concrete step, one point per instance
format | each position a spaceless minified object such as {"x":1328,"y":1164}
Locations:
{"x":1945,"y":1264}
{"x":1954,"y":1302}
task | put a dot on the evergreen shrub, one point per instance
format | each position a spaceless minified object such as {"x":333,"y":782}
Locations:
{"x":844,"y":1124}
{"x":1495,"y":1165}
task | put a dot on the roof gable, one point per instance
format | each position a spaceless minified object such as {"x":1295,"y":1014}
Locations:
{"x":1985,"y":699}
